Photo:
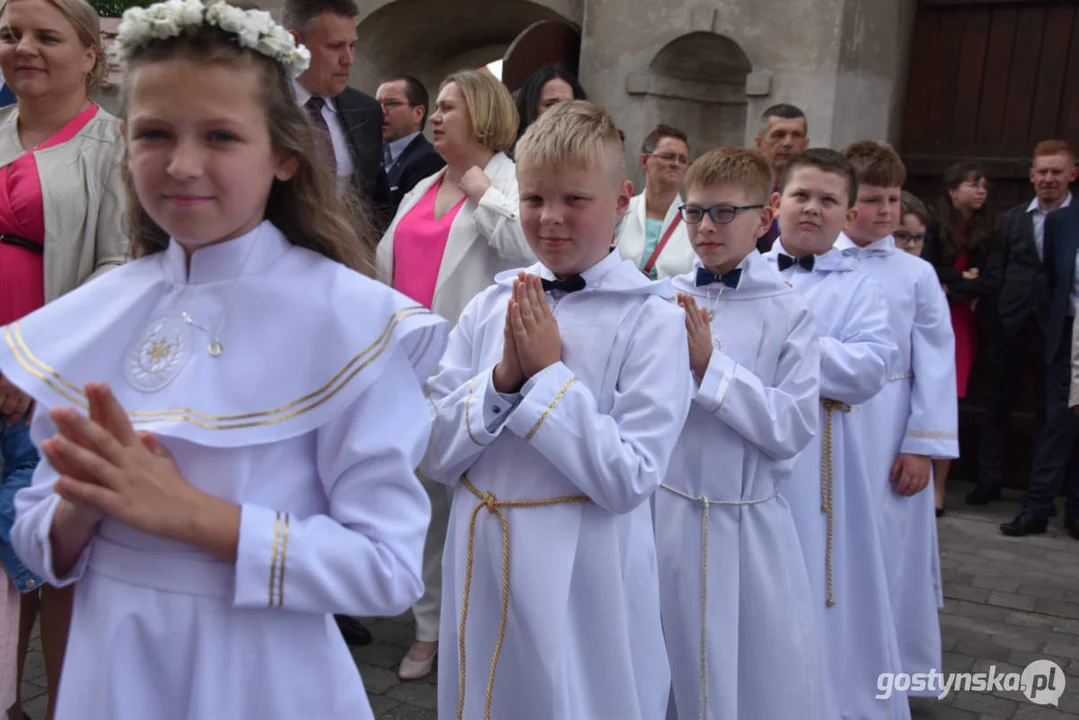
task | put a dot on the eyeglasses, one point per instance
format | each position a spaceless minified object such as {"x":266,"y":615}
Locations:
{"x":672,"y":157}
{"x":720,"y":214}
{"x":391,"y":104}
{"x":903,"y":237}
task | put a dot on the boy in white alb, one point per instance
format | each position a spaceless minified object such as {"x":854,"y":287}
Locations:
{"x":832,"y":502}
{"x":738,"y":618}
{"x":558,"y":404}
{"x":914,"y":420}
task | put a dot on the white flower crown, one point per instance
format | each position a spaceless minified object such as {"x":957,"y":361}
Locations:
{"x":254,"y":29}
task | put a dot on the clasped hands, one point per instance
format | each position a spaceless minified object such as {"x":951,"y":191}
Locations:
{"x":531,"y":341}
{"x":106,"y":468}
{"x":699,"y":331}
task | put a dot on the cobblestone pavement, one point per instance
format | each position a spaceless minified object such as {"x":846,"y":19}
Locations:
{"x":1007,"y":602}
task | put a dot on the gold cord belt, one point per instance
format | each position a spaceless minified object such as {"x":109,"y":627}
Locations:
{"x":494,"y":506}
{"x":826,"y":483}
{"x":706,"y":503}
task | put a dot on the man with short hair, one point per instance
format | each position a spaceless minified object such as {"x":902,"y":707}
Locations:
{"x":782,"y":134}
{"x":407,"y":155}
{"x":1056,"y":456}
{"x":1018,"y":349}
{"x":350,"y":120}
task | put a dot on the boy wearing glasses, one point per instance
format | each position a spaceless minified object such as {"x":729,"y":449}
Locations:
{"x":914,"y":419}
{"x":835,"y":506}
{"x":737,"y":615}
{"x":913,"y":221}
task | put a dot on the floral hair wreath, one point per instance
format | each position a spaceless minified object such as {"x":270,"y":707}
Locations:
{"x":254,"y":29}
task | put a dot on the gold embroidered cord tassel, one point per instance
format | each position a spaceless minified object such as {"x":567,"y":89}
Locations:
{"x":827,"y":481}
{"x":494,"y":506}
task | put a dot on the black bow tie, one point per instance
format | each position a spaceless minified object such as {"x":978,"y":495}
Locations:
{"x":805,"y":262}
{"x":730,"y":279}
{"x":571,"y":284}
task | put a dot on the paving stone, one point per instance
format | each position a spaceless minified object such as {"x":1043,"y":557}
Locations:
{"x":1059,"y":608}
{"x":985,"y":704}
{"x":1004,"y":584}
{"x":964,"y":592}
{"x":1030,"y":620}
{"x":1063,"y":649}
{"x":1011,"y":600}
{"x":380,"y":654}
{"x":37,"y":708}
{"x":409,"y":712}
{"x":956,"y":662}
{"x":378,"y":680}
{"x":380,"y":705}
{"x":1023,"y":658}
{"x":1050,"y":592}
{"x":31,"y":691}
{"x":1030,"y":711}
{"x":422,"y":695}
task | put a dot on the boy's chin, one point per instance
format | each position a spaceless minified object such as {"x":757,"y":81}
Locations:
{"x":810,"y":244}
{"x":569,"y":259}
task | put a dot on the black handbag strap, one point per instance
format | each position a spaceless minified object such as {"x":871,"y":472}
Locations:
{"x":36,"y":248}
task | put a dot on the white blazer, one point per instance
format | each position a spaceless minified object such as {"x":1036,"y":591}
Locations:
{"x":677,"y":256}
{"x":484,"y":240}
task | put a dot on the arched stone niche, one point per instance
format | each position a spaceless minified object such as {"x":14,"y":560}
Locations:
{"x":431,"y":38}
{"x":698,"y":82}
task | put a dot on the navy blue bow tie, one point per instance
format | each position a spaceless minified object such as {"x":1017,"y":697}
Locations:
{"x":730,"y":279}
{"x":805,"y":262}
{"x":573,"y":283}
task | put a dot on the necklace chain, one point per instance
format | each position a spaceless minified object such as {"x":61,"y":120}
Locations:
{"x":215,"y":347}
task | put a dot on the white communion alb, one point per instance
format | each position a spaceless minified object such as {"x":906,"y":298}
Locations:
{"x":282,"y":382}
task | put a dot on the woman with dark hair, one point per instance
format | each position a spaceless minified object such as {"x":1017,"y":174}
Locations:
{"x":963,"y":244}
{"x":544,"y":89}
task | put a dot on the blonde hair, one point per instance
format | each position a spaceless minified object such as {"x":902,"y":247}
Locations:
{"x":745,"y":168}
{"x":305,"y":208}
{"x":490,"y":108}
{"x":87,"y":24}
{"x":575,"y":133}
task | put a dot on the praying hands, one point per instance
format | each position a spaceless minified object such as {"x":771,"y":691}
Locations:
{"x":699,"y":331}
{"x":531,"y":339}
{"x":106,"y":468}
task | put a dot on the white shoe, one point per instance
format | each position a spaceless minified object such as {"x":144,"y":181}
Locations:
{"x":415,"y":669}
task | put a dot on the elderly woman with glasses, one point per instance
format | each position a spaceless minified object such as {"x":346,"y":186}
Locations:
{"x":653,"y":233}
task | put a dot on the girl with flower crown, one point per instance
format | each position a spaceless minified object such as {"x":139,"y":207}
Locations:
{"x":230,"y":422}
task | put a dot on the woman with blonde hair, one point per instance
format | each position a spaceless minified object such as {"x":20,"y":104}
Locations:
{"x":452,"y":234}
{"x":60,"y":225}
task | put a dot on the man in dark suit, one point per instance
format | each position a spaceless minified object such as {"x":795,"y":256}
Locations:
{"x":407,"y":156}
{"x":352,"y":129}
{"x":350,"y":120}
{"x":1016,"y":351}
{"x":1056,"y":458}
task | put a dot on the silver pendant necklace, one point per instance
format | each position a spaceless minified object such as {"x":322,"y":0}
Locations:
{"x":162,"y":349}
{"x":216,"y":348}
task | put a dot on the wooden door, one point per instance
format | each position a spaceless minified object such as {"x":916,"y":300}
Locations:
{"x":988,"y":80}
{"x":543,"y":43}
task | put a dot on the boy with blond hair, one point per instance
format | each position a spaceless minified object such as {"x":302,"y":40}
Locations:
{"x":833,"y":505}
{"x":724,"y":532}
{"x":914,"y":420}
{"x":558,"y":404}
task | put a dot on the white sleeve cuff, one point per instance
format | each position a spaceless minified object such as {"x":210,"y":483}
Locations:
{"x":716,"y":382}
